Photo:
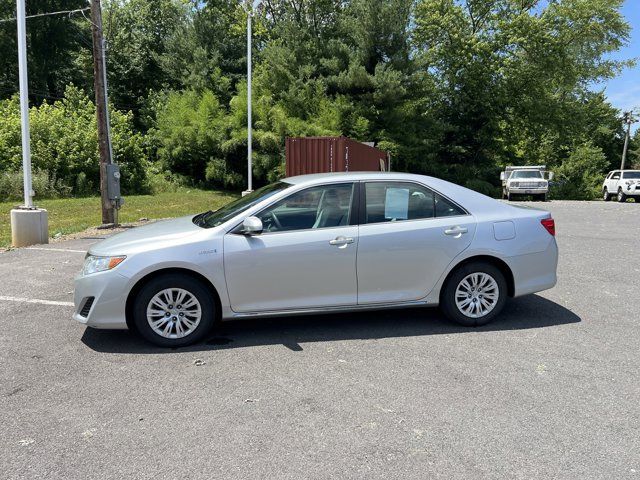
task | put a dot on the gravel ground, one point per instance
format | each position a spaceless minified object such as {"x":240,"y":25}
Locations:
{"x":550,"y":390}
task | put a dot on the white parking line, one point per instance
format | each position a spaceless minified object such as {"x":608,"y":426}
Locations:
{"x":56,"y":249}
{"x":35,"y":300}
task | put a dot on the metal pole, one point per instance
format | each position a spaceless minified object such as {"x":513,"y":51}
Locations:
{"x":628,"y":120}
{"x":24,"y":103}
{"x":249,"y":123}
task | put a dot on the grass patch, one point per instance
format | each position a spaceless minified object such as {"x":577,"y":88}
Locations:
{"x":70,"y":215}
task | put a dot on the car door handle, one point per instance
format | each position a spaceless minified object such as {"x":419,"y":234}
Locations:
{"x":341,"y":241}
{"x":456,"y":231}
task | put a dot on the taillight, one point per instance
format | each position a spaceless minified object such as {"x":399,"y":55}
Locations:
{"x":550,"y":225}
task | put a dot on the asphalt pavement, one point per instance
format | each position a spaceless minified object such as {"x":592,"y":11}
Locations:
{"x":550,"y":390}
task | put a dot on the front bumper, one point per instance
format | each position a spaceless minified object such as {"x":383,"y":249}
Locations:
{"x":109,"y":291}
{"x":527,"y":191}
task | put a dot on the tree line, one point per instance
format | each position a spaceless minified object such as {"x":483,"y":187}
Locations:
{"x":452,"y":88}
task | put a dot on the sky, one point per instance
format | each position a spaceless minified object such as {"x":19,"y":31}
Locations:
{"x":624,"y":90}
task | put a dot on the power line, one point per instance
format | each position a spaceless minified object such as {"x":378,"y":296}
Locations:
{"x":61,"y":12}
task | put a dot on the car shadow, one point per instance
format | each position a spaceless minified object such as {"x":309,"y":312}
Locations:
{"x":523,"y":313}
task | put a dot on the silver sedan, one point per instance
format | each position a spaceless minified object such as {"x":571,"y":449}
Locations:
{"x":319,"y":243}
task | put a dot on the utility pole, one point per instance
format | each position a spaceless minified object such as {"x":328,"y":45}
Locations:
{"x":628,"y":119}
{"x":249,"y":122}
{"x":102,"y":114}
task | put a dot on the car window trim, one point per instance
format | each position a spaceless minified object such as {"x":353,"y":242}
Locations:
{"x":363,"y":199}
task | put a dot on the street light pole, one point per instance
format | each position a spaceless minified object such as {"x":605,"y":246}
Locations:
{"x":29,"y":225}
{"x":249,"y":122}
{"x":24,"y":103}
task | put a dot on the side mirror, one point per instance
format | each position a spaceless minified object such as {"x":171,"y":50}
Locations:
{"x":501,"y":175}
{"x":251,"y":226}
{"x":550,"y":175}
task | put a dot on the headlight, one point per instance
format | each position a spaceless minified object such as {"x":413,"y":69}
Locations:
{"x":93,"y":264}
{"x":515,"y":184}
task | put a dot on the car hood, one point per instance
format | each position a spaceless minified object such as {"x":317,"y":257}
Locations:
{"x":154,"y":235}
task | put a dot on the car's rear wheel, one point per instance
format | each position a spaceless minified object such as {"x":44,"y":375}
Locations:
{"x":621,"y":196}
{"x":605,"y":195}
{"x":174,"y":310}
{"x":474,"y":294}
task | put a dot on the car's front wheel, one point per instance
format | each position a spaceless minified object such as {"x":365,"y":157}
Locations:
{"x":174,"y":310}
{"x":474,"y":294}
{"x":621,"y":196}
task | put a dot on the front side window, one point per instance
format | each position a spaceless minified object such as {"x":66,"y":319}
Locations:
{"x":324,"y":206}
{"x":396,"y":201}
{"x":214,"y":218}
{"x":615,"y":176}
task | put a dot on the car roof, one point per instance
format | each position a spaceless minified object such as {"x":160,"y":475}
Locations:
{"x":316,"y":178}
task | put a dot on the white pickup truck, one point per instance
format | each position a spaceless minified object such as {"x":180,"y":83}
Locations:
{"x":526,"y":180}
{"x":622,"y":184}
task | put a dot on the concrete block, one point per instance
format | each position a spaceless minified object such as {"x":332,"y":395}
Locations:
{"x":29,"y":227}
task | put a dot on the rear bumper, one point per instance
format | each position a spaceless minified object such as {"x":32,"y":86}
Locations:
{"x":109,"y":291}
{"x":535,"y":272}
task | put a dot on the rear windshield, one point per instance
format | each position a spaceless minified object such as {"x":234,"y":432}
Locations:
{"x":633,"y":175}
{"x":526,"y":174}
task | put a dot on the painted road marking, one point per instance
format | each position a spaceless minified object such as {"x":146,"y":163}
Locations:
{"x":56,"y":249}
{"x":35,"y":300}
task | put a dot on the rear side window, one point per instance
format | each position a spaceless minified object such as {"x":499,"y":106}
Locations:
{"x":397,"y":201}
{"x":446,"y":208}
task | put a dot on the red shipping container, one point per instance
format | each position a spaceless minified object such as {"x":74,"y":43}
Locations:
{"x":332,"y":154}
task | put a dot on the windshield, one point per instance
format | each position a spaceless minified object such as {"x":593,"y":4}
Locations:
{"x":527,"y":174}
{"x":230,"y":210}
{"x":633,"y":175}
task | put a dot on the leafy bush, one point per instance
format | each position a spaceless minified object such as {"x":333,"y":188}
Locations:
{"x":580,"y":176}
{"x":44,"y":186}
{"x":64,"y":145}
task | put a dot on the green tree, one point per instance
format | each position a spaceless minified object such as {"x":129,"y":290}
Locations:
{"x":53,"y":43}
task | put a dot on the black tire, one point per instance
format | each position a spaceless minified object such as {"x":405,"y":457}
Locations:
{"x":605,"y":195}
{"x":621,"y":196}
{"x":509,"y":196}
{"x":181,"y":281}
{"x":447,"y":296}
